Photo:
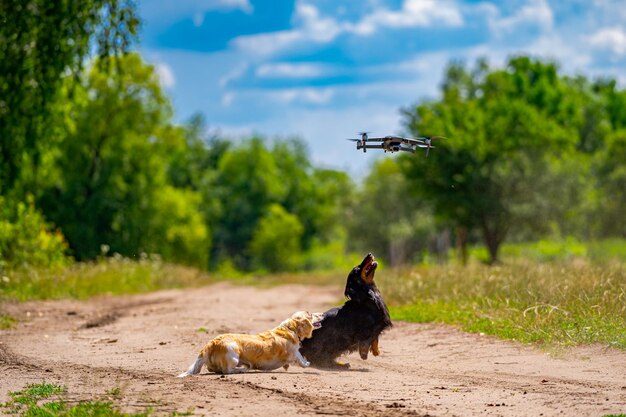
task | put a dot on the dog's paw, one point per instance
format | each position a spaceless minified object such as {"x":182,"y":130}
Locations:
{"x":363,"y":351}
{"x":374,"y":347}
{"x":305,"y":364}
{"x":286,"y":366}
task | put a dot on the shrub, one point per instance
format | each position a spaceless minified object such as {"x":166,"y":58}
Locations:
{"x":26,"y":239}
{"x":276,"y":241}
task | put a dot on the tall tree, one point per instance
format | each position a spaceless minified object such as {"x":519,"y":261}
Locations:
{"x":275,"y":243}
{"x":611,"y":186}
{"x":504,"y":126}
{"x":316,"y":196}
{"x":247,"y":182}
{"x":112,"y":185}
{"x":386,"y":220}
{"x":40,"y":41}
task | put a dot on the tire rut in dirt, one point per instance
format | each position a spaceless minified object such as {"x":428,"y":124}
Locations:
{"x":330,"y":406}
{"x":140,"y":386}
{"x":110,"y":315}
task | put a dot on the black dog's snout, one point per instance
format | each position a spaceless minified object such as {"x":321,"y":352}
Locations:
{"x":366,"y":260}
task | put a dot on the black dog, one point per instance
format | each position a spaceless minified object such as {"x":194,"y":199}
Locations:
{"x":356,"y":325}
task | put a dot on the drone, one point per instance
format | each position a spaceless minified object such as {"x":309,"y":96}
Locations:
{"x":395,"y":143}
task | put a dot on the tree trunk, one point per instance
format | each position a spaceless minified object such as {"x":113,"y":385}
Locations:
{"x":461,"y":244}
{"x":493,"y":236}
{"x":493,"y":246}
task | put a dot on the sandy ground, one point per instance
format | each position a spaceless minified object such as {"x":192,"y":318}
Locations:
{"x":137,"y":344}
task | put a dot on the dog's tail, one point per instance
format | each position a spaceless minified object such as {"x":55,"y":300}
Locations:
{"x":196,"y":367}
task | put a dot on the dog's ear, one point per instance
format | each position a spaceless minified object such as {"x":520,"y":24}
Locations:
{"x":349,"y":291}
{"x":305,"y":328}
{"x":356,"y":289}
{"x":352,"y":282}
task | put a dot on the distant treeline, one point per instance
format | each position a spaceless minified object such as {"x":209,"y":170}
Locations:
{"x":92,"y":163}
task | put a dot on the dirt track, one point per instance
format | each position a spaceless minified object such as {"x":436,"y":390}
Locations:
{"x":138,"y":344}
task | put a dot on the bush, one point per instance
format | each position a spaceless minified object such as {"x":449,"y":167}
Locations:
{"x":276,"y":241}
{"x":180,"y":233}
{"x":26,"y":239}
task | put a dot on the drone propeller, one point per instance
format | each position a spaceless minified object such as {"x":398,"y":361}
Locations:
{"x":428,"y":140}
{"x":362,"y":141}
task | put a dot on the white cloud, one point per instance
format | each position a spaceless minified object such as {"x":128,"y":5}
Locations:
{"x":311,"y":26}
{"x":414,"y":13}
{"x":314,"y":26}
{"x":166,"y":74}
{"x":243,"y":5}
{"x":303,"y":95}
{"x":267,"y":43}
{"x":610,"y":38}
{"x":232,"y":75}
{"x":535,"y":12}
{"x":163,"y":11}
{"x":567,"y":51}
{"x":228,"y":98}
{"x":289,"y":70}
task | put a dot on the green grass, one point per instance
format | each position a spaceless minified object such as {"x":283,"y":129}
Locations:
{"x":551,"y":304}
{"x":109,"y":276}
{"x":51,"y":400}
{"x":117,"y":276}
{"x":6,"y":321}
{"x":549,"y":293}
{"x":46,"y":399}
{"x":565,"y":250}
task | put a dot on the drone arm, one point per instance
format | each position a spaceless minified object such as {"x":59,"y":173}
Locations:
{"x":412,"y":141}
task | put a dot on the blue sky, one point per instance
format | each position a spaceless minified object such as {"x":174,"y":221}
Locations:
{"x":323,"y":70}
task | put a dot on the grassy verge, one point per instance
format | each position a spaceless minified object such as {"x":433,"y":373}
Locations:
{"x":52,"y":400}
{"x":108,"y":276}
{"x":552,"y":303}
{"x":556,"y":305}
{"x":598,"y":252}
{"x":6,"y":321}
{"x":118,"y":276}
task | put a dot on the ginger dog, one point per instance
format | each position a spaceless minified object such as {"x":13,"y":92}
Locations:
{"x":230,"y":353}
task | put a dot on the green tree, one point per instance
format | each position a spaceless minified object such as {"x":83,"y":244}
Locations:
{"x":250,"y":177}
{"x":608,"y":168}
{"x":386,"y":221}
{"x":505,"y":127}
{"x":275,"y":243}
{"x":316,"y":196}
{"x":40,"y":41}
{"x":611,"y":186}
{"x":26,"y":239}
{"x":111,"y":187}
{"x":178,"y":231}
{"x":246,"y":183}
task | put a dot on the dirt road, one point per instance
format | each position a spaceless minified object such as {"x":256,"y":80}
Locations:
{"x":138,"y":343}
